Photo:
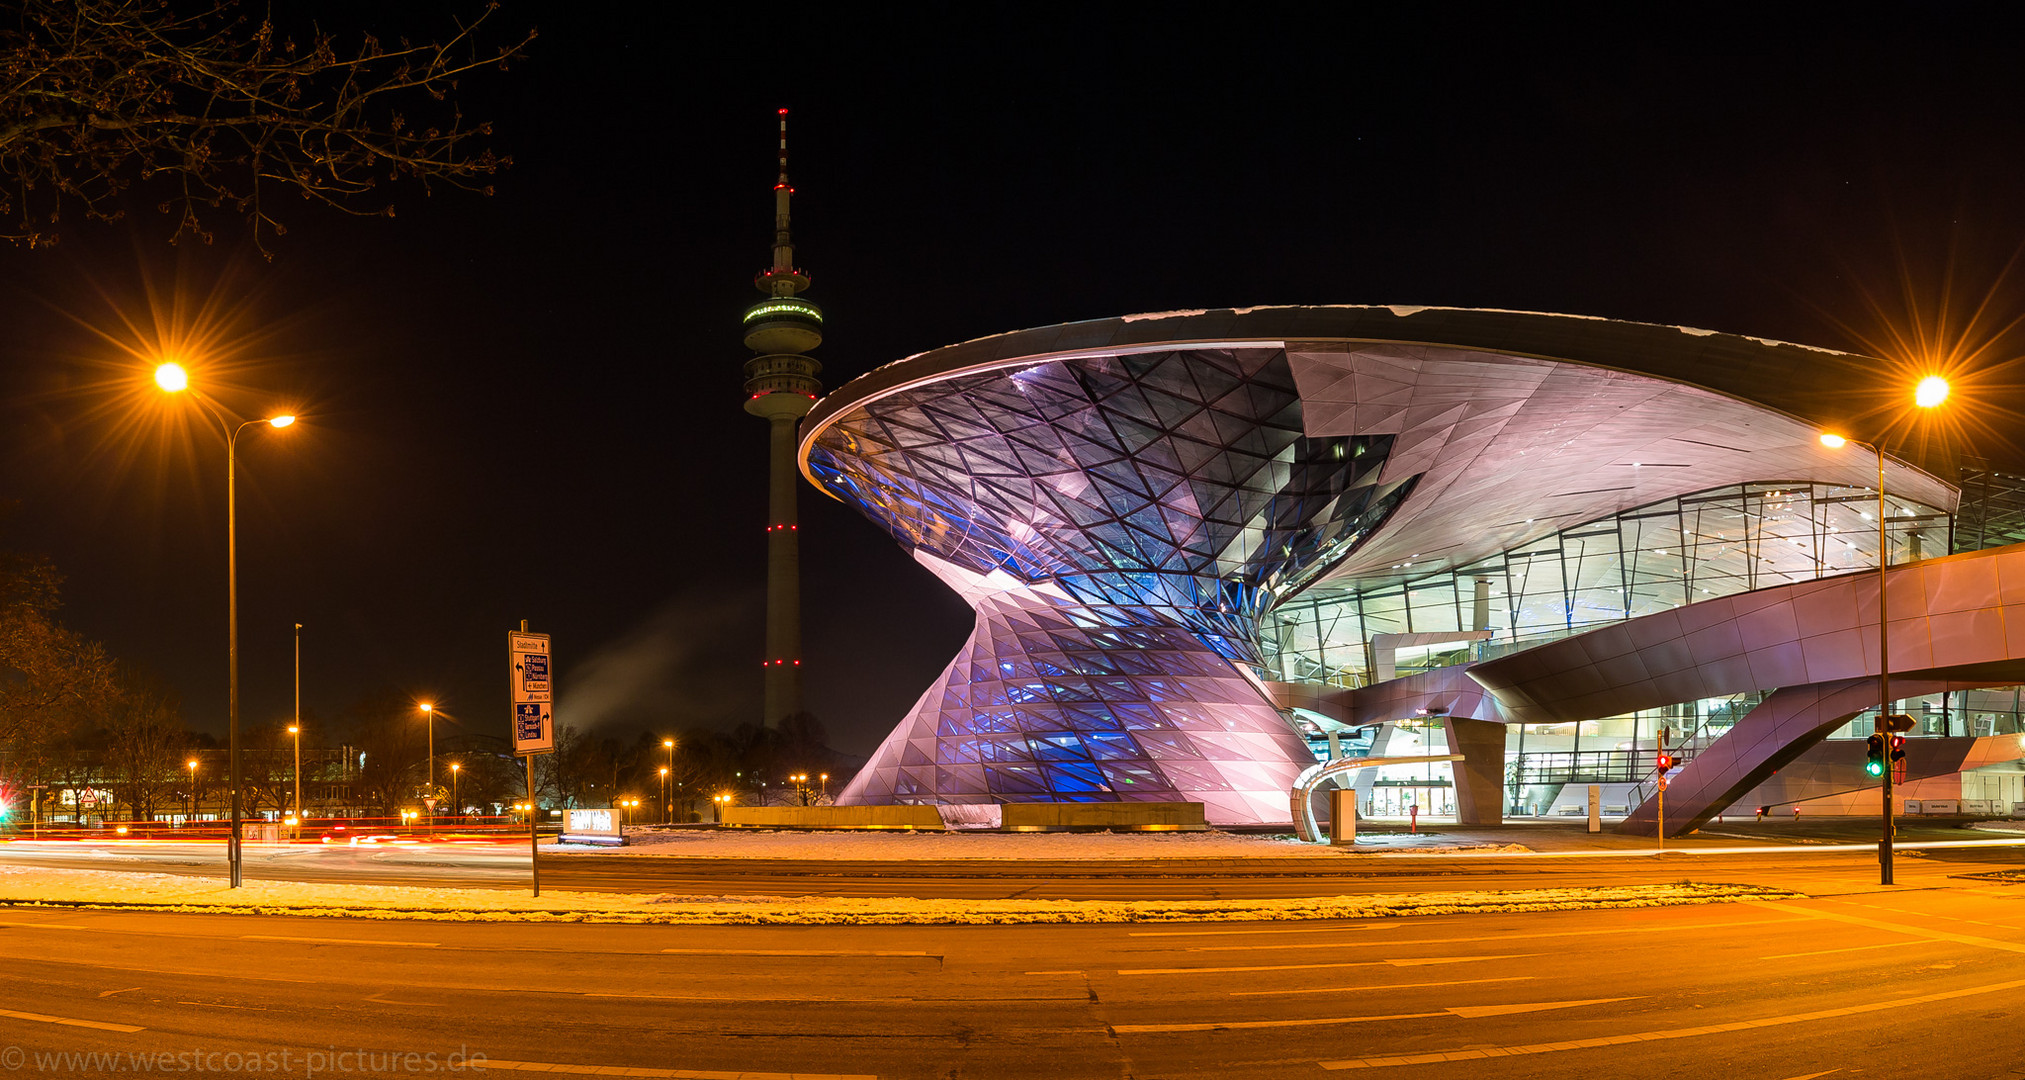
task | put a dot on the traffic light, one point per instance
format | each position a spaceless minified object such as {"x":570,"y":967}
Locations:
{"x":1664,"y":762}
{"x":1898,"y":749}
{"x":1873,"y":761}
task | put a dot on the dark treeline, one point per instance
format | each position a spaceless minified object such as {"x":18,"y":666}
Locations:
{"x":85,"y":738}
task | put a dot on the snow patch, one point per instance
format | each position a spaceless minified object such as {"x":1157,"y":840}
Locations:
{"x":1152,"y":315}
{"x":22,"y":886}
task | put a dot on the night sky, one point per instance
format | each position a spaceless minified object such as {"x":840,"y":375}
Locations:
{"x":528,"y":406}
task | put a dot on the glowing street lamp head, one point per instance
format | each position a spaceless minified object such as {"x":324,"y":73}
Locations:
{"x":1833,"y":441}
{"x":426,"y":707}
{"x":172,"y":377}
{"x":1930,"y":392}
{"x":281,"y":421}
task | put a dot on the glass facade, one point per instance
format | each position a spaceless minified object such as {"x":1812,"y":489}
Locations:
{"x":1161,"y":489}
{"x":1712,"y":543}
{"x":1121,"y":524}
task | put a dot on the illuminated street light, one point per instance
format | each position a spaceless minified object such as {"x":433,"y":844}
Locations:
{"x":1931,"y":392}
{"x":193,"y":793}
{"x":456,"y":767}
{"x":429,"y":713}
{"x":172,"y":378}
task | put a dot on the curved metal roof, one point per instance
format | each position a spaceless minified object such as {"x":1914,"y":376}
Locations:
{"x":1516,"y":423}
{"x":1756,"y":369}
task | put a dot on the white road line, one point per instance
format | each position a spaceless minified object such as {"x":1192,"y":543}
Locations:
{"x":339,"y":941}
{"x":1413,"y":962}
{"x":1479,"y":1053}
{"x":1467,"y":1012}
{"x":1910,"y":929}
{"x":1387,"y":986}
{"x":1374,"y":926}
{"x":67,"y":1022}
{"x":1482,"y":937}
{"x":661,"y":1074}
{"x":791,"y":952}
{"x":1471,"y":1012}
{"x":1825,"y":952}
{"x":1226,"y":933}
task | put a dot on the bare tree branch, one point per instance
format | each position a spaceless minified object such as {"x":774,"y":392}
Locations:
{"x":98,"y":94}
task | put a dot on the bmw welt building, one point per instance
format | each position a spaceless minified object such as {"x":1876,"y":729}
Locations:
{"x":1207,"y":547}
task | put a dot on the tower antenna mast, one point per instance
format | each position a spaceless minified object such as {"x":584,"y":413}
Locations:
{"x":781,"y":387}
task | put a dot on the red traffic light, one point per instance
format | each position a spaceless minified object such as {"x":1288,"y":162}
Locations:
{"x":1665,"y":762}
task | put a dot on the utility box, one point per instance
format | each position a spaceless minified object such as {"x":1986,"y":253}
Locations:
{"x":1343,"y":817}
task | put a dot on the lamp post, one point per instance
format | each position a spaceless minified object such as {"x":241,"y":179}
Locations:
{"x":825,"y":777}
{"x":173,"y":379}
{"x":193,"y":793}
{"x":667,"y":807}
{"x":295,"y":729}
{"x":1929,"y":394}
{"x":429,"y":792}
{"x":456,"y":767}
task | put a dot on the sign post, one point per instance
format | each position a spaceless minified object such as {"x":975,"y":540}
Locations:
{"x":527,"y":659}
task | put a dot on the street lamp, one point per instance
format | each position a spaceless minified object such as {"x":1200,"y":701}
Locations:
{"x":825,"y":777}
{"x":296,"y":731}
{"x":455,"y":768}
{"x":173,"y":379}
{"x":667,"y":797}
{"x":1929,"y":393}
{"x":429,"y":714}
{"x":193,"y":793}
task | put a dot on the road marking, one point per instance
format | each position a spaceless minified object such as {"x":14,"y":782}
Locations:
{"x":1663,"y":1033}
{"x":791,"y":952}
{"x":1225,"y":933}
{"x":109,"y":993}
{"x":1914,"y":931}
{"x":214,"y":1005}
{"x":1414,"y":962}
{"x":1387,"y":986}
{"x":1345,"y":929}
{"x":67,"y":1022}
{"x":1077,"y":972}
{"x":1471,"y":1012}
{"x":1825,"y":952}
{"x":1228,"y":1025}
{"x":1482,"y":937}
{"x":1467,"y":1012}
{"x":42,"y":926}
{"x":668,"y":1074}
{"x":338,"y":941}
{"x":1811,"y":1076}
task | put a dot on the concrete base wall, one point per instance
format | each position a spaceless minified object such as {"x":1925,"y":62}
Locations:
{"x":1129,"y":816}
{"x":834,"y":817}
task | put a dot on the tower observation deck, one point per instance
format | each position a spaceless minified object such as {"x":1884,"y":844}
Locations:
{"x":781,"y":387}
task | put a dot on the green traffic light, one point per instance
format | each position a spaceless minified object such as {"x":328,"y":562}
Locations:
{"x":1874,"y":768}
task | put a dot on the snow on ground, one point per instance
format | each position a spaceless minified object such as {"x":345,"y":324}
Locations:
{"x":793,"y":844}
{"x":22,"y":886}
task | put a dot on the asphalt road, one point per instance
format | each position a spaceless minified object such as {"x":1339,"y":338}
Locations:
{"x":1912,"y":982}
{"x":504,"y":866}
